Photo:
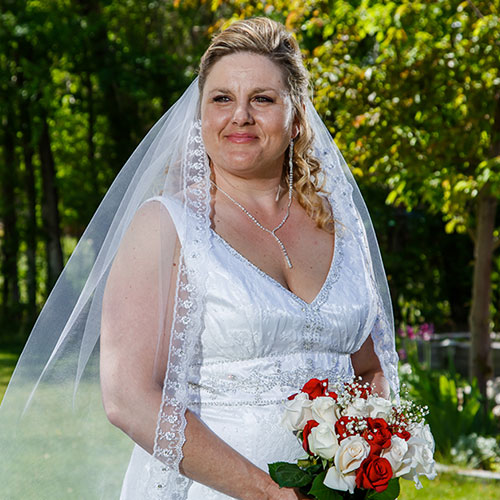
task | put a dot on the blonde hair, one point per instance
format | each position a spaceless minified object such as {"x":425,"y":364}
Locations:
{"x":271,"y":39}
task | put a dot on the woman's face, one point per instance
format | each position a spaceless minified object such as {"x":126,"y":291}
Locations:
{"x":246,"y":115}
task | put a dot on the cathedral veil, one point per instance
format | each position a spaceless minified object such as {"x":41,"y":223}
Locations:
{"x":55,"y":438}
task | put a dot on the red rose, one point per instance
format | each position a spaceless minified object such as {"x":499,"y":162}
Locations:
{"x":342,"y":427}
{"x":311,"y":424}
{"x":290,"y":398}
{"x":332,"y":395}
{"x":378,"y":435}
{"x":374,"y":473}
{"x":403,"y":434}
{"x":358,"y":390}
{"x":316,"y":388}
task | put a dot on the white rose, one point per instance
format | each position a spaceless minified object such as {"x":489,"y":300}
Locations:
{"x":297,"y":412}
{"x":357,"y":408}
{"x":325,"y":409}
{"x":421,"y":461}
{"x":338,"y":481}
{"x":352,"y":451}
{"x":425,"y":464}
{"x":396,"y":455}
{"x":323,"y":441}
{"x":421,"y":434}
{"x":427,"y":436}
{"x":378,"y":407}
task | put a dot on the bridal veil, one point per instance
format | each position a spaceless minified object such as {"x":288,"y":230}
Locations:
{"x":55,"y":439}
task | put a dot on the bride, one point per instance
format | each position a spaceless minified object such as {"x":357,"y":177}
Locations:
{"x":231,"y":261}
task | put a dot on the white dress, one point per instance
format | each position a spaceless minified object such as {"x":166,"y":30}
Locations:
{"x":260,"y":344}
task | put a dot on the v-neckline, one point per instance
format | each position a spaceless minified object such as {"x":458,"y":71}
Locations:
{"x":268,"y":277}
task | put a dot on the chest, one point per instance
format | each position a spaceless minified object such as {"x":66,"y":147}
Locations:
{"x":298,"y":256}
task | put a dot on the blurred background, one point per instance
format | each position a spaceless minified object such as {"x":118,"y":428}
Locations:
{"x":410,"y":91}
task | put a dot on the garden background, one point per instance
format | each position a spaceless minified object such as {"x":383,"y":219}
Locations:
{"x":410,"y":91}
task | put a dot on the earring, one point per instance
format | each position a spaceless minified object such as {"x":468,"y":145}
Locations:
{"x":290,"y":169}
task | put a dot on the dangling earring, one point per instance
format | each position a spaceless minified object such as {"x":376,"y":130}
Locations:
{"x":290,"y":174}
{"x":278,"y":192}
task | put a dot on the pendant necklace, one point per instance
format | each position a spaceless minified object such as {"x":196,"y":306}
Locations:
{"x":272,"y":232}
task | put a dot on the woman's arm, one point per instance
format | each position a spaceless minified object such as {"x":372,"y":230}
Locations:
{"x":366,"y":365}
{"x":136,"y":318}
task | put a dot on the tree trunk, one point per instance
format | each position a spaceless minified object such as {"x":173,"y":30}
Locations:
{"x":31,"y":225}
{"x":480,"y":363}
{"x":90,"y":136}
{"x":25,"y":126}
{"x":10,"y":246}
{"x":50,"y":210}
{"x":119,"y":106}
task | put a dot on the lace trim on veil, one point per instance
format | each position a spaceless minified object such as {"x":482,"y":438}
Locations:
{"x":164,"y":479}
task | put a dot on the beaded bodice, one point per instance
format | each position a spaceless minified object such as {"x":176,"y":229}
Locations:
{"x":261,"y":342}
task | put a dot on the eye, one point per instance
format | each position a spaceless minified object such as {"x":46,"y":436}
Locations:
{"x":221,"y":98}
{"x":263,"y":98}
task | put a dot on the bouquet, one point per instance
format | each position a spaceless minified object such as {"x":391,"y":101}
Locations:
{"x":358,"y":444}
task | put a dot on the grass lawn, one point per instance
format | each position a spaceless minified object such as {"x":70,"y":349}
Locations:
{"x":451,"y":487}
{"x":445,"y":486}
{"x":7,"y":363}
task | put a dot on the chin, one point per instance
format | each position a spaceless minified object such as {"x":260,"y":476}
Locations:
{"x":238,"y":162}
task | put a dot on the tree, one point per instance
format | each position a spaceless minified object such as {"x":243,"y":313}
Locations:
{"x":82,"y":83}
{"x":410,"y":91}
{"x":430,"y":125}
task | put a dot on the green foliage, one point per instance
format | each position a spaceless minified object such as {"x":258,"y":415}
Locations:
{"x":310,"y":480}
{"x":456,"y":407}
{"x":390,"y":493}
{"x":289,"y":475}
{"x":410,"y":92}
{"x":407,"y":89}
{"x":99,"y":74}
{"x":321,"y":492}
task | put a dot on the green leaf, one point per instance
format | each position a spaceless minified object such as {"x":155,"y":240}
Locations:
{"x":390,"y":493}
{"x":289,"y":475}
{"x":391,"y":197}
{"x":322,"y":492}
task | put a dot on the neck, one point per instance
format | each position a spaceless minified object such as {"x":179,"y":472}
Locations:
{"x":255,"y":193}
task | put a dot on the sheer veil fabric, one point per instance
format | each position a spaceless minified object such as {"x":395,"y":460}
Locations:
{"x":55,"y":439}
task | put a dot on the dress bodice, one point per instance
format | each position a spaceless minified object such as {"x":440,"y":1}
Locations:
{"x":261,"y":342}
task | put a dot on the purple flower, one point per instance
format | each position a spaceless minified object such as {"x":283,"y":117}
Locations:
{"x":402,"y":354}
{"x":411,"y":332}
{"x":426,"y":331}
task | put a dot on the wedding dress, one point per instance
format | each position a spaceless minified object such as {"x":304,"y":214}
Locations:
{"x":260,"y":344}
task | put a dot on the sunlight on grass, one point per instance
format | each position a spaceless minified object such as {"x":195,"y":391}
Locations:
{"x":8,"y":361}
{"x":63,"y":441}
{"x":451,"y":487}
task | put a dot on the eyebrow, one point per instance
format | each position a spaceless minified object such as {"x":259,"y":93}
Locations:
{"x":257,"y":90}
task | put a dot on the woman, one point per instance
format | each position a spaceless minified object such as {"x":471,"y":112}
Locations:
{"x":253,"y":269}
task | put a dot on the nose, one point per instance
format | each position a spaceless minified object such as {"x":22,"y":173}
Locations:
{"x":242,"y":114}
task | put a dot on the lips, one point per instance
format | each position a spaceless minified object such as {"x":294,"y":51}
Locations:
{"x":241,"y":138}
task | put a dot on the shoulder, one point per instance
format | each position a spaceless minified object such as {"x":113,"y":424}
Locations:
{"x":155,"y":203}
{"x":163,"y":209}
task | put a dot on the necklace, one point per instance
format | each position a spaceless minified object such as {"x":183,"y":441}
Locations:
{"x":272,"y":232}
